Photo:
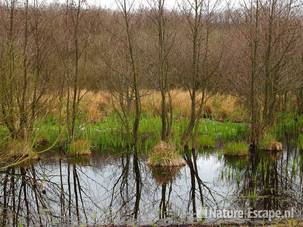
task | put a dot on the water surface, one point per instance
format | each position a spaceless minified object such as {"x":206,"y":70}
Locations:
{"x":122,"y":189}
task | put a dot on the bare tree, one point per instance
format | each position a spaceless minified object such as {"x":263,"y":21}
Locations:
{"x":254,"y":47}
{"x":164,"y":46}
{"x":199,"y":14}
{"x":23,"y":74}
{"x":74,"y":63}
{"x":269,"y":31}
{"x":126,"y":9}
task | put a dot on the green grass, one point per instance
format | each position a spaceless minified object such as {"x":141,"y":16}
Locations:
{"x":300,"y":141}
{"x":108,"y":134}
{"x":236,"y":149}
{"x":105,"y":135}
{"x":224,"y":131}
{"x":50,"y":131}
{"x":207,"y":142}
{"x":4,"y":136}
{"x":3,"y":131}
{"x":267,"y":140}
{"x":288,"y":127}
{"x":288,"y":123}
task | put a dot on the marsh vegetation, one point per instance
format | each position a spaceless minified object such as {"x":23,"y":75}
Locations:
{"x":149,"y":104}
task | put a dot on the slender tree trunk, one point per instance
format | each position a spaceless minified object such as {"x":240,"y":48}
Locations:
{"x":254,"y":131}
{"x":76,"y":73}
{"x":135,"y":84}
{"x":195,"y":29}
{"x":23,"y":101}
{"x":166,"y":108}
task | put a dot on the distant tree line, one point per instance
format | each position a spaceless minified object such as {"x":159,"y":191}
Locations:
{"x":253,"y":51}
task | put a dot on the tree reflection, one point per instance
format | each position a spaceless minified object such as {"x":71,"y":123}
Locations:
{"x":24,"y":198}
{"x":164,"y":176}
{"x":121,"y":190}
{"x":123,"y":193}
{"x":268,"y":180}
{"x":207,"y":195}
{"x":30,"y":197}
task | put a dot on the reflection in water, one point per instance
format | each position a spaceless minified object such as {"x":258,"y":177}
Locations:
{"x":198,"y":185}
{"x":123,"y":190}
{"x":165,"y":176}
{"x":267,"y":180}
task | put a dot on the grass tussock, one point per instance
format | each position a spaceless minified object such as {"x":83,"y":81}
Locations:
{"x":236,"y":149}
{"x":165,"y":155}
{"x":15,"y":151}
{"x":270,"y":143}
{"x":79,"y":147}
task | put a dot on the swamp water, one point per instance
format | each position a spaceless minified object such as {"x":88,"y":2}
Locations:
{"x":106,"y":189}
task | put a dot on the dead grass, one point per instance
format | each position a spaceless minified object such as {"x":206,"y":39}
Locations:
{"x":151,"y":102}
{"x":220,"y":107}
{"x":97,"y":105}
{"x":79,"y":147}
{"x":19,"y":147}
{"x":15,"y":152}
{"x":227,"y":107}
